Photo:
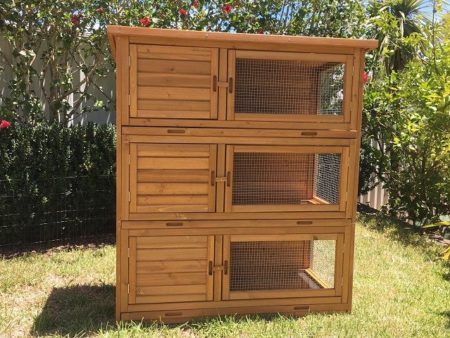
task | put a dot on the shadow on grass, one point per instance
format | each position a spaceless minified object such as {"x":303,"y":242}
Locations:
{"x":77,"y":310}
{"x":395,"y":229}
{"x":403,"y":233}
{"x":16,"y":250}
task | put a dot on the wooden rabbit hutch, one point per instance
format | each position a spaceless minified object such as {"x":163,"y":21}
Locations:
{"x":237,"y":167}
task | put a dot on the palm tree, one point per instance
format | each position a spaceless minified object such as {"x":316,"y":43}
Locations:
{"x":410,"y":20}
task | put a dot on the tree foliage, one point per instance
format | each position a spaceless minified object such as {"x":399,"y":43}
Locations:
{"x":407,"y":124}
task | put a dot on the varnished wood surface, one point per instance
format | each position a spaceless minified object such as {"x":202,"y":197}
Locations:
{"x":177,"y":133}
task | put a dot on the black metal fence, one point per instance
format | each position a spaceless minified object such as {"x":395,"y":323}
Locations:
{"x":55,"y":209}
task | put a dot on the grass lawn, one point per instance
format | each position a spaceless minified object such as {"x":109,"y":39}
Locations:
{"x":400,"y":290}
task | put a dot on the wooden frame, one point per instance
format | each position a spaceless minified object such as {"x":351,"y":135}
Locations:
{"x":345,"y":60}
{"x":324,"y":291}
{"x":177,"y":134}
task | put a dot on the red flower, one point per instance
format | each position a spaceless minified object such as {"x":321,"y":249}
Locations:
{"x":365,"y":77}
{"x":145,"y":21}
{"x":75,"y":19}
{"x":260,"y":31}
{"x":183,"y":12}
{"x":100,"y":10}
{"x":195,"y":4}
{"x":227,"y":8}
{"x":5,"y":124}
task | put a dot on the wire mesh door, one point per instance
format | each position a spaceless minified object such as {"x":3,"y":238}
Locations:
{"x":271,"y":86}
{"x":294,"y":265}
{"x":286,"y":178}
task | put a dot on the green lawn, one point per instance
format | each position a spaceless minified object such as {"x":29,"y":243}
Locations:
{"x":400,"y":290}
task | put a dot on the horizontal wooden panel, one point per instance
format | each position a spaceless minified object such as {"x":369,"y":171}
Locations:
{"x":173,"y":93}
{"x":171,"y":242}
{"x":171,"y":266}
{"x":157,"y":200}
{"x":173,"y":163}
{"x":172,"y":188}
{"x":172,"y":208}
{"x":171,"y":298}
{"x":174,"y":80}
{"x":170,"y":290}
{"x":173,"y":114}
{"x":171,"y":254}
{"x":173,"y":175}
{"x":181,"y":106}
{"x":173,"y":150}
{"x":173,"y":53}
{"x":174,"y":66}
{"x":171,"y":278}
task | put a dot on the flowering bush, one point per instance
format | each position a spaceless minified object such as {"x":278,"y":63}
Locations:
{"x":52,"y":40}
{"x":4,"y":124}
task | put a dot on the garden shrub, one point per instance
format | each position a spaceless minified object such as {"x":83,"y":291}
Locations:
{"x":56,"y":182}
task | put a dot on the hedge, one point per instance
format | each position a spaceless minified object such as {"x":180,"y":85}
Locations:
{"x":56,"y":182}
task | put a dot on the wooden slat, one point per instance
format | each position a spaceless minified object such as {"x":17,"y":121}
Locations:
{"x":173,"y":175}
{"x":237,"y":40}
{"x":172,"y":200}
{"x":307,"y":57}
{"x":173,"y":93}
{"x":171,"y":298}
{"x":173,"y":80}
{"x":282,"y":293}
{"x":174,"y":66}
{"x":156,"y":267}
{"x":133,"y":81}
{"x":172,"y":208}
{"x":173,"y":150}
{"x":173,"y":106}
{"x":172,"y":188}
{"x":171,"y":278}
{"x":170,"y":290}
{"x":210,"y":279}
{"x":132,"y":269}
{"x":214,"y":95}
{"x":171,"y":254}
{"x":281,"y":237}
{"x":173,"y":114}
{"x":171,"y":242}
{"x":173,"y":53}
{"x":173,"y":163}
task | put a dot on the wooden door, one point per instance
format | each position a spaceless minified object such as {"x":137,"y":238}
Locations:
{"x":283,"y":86}
{"x":172,"y":177}
{"x":170,"y":269}
{"x":282,"y":266}
{"x":173,"y":82}
{"x":286,"y":178}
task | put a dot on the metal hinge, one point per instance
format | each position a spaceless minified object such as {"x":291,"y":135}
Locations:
{"x":128,"y":288}
{"x":129,"y":197}
{"x":129,"y":60}
{"x":128,"y":252}
{"x":129,"y":100}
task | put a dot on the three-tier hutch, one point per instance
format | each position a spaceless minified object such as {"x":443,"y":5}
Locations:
{"x":237,"y":167}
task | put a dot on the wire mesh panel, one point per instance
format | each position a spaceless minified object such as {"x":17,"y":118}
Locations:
{"x":281,"y":265}
{"x":270,"y":178}
{"x":326,"y":177}
{"x":291,"y":87}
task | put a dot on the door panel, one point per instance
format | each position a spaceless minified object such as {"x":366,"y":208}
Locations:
{"x":275,"y":86}
{"x":284,"y":178}
{"x":278,"y":266}
{"x":173,"y":82}
{"x":166,"y":269}
{"x":172,"y":177}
